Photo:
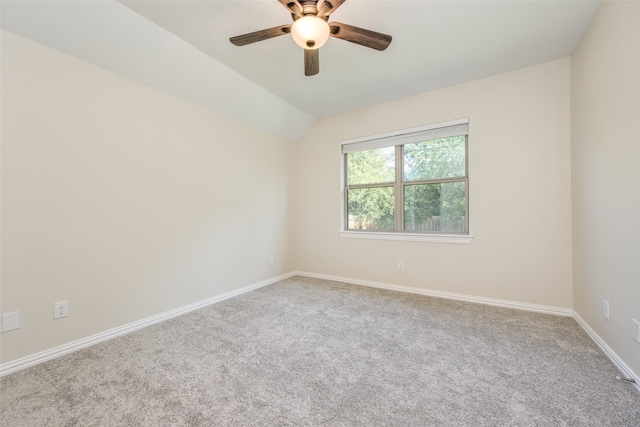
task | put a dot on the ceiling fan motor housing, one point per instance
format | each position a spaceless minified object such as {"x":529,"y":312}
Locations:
{"x":309,"y":7}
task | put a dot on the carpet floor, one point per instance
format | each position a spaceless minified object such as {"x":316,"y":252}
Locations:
{"x":309,"y":352}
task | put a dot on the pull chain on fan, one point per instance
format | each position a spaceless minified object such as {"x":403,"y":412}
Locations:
{"x":310,"y":30}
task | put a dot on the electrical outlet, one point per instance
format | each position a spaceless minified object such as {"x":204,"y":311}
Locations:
{"x":635,"y":331}
{"x":400,"y":265}
{"x":60,"y":309}
{"x":605,"y":309}
{"x":10,"y":321}
{"x":271,"y":260}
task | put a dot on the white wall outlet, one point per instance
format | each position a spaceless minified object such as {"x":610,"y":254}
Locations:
{"x":10,"y":321}
{"x":400,"y":265}
{"x":271,"y":260}
{"x":635,"y":331}
{"x":605,"y":309}
{"x":60,"y":309}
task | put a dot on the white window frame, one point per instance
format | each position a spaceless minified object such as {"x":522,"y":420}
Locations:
{"x":395,"y":138}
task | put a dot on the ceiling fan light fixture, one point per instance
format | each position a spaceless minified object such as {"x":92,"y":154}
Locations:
{"x":310,"y":32}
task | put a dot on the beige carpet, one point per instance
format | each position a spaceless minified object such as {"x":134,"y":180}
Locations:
{"x":307,"y":352}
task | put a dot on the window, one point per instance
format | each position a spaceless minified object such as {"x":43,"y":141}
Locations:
{"x":409,"y":182}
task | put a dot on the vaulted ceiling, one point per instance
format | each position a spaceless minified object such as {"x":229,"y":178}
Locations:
{"x":182,"y":47}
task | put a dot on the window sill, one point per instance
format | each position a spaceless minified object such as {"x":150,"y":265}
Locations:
{"x":461,"y":239}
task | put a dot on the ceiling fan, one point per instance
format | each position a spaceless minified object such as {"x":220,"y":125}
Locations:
{"x":310,"y":30}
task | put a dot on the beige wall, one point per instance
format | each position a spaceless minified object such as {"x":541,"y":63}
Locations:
{"x":605,"y":145}
{"x":520,"y":201}
{"x":125,"y":201}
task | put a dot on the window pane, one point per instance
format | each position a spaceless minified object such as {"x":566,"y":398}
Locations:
{"x":370,"y":208}
{"x":371,"y":166}
{"x":435,"y":207}
{"x":438,"y":158}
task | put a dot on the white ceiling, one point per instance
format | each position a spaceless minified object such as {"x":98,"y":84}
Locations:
{"x":182,"y":47}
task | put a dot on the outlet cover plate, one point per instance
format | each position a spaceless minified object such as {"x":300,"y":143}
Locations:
{"x":60,"y":309}
{"x":605,"y":309}
{"x":635,"y":330}
{"x":10,"y":321}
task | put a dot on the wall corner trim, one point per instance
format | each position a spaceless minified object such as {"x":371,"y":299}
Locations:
{"x":546,"y":309}
{"x":617,"y":361}
{"x":43,"y":356}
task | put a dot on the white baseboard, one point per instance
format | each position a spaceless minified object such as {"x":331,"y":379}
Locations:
{"x":34,"y":359}
{"x":558,"y":311}
{"x":43,"y":356}
{"x":622,"y":367}
{"x":617,"y":361}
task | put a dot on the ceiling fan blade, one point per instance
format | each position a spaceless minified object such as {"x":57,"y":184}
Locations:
{"x":360,"y":36}
{"x":327,"y":7}
{"x":292,"y":6}
{"x":311,"y":62}
{"x":258,"y":36}
{"x":363,"y":37}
